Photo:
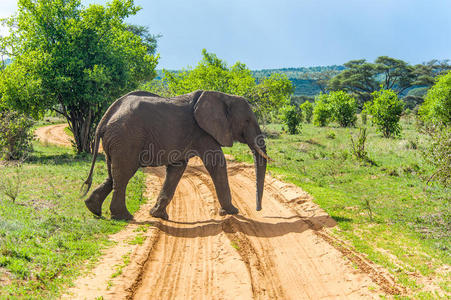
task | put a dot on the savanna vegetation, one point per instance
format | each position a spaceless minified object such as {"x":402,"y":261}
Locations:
{"x":370,"y":141}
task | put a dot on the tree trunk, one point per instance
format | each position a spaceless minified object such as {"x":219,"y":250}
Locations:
{"x":83,"y":129}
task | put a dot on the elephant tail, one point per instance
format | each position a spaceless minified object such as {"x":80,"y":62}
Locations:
{"x":88,"y":181}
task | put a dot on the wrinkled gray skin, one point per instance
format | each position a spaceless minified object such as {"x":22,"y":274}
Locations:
{"x":142,"y":129}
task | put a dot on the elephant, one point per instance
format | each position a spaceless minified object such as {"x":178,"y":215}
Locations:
{"x":142,"y":129}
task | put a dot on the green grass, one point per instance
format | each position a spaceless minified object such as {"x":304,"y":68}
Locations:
{"x":410,"y":230}
{"x":47,"y":235}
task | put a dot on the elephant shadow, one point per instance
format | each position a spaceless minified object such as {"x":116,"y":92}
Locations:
{"x":242,"y":224}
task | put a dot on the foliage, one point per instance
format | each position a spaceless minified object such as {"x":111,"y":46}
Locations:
{"x":343,"y":108}
{"x":212,"y":73}
{"x":386,"y":110}
{"x":307,"y":110}
{"x":363,"y":78}
{"x":321,"y":111}
{"x":11,"y":185}
{"x":427,"y":72}
{"x":292,"y":117}
{"x":15,"y":135}
{"x":358,"y":147}
{"x":438,"y":154}
{"x":300,"y":99}
{"x":364,"y":116}
{"x":270,"y":94}
{"x":74,"y":60}
{"x":436,"y":108}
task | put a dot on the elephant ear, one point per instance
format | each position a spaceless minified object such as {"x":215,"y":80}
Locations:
{"x":210,"y":113}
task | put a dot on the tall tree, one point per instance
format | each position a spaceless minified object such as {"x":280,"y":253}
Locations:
{"x":397,"y":75}
{"x":359,"y":77}
{"x":363,"y":78}
{"x":74,"y":60}
{"x":428,"y":71}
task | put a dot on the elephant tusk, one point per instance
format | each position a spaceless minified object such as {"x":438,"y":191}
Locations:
{"x":263,"y":154}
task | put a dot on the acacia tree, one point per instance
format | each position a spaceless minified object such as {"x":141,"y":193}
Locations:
{"x":74,"y":60}
{"x":363,"y":78}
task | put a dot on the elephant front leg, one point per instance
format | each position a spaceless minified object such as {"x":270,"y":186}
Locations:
{"x":216,"y":165}
{"x":173,"y":175}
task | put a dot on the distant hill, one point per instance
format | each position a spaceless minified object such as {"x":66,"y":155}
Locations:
{"x":298,"y":76}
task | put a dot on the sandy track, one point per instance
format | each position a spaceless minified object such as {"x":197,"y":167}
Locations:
{"x":53,"y":134}
{"x":284,"y":251}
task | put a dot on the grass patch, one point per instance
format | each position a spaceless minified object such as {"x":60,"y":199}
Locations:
{"x":384,"y":210}
{"x":47,"y":235}
{"x":137,"y":240}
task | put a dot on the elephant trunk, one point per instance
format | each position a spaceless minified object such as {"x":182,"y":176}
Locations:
{"x":258,"y":147}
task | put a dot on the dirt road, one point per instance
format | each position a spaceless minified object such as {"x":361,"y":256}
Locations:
{"x":285,"y":251}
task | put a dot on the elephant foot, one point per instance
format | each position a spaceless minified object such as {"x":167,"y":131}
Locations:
{"x":232,"y":210}
{"x":159,"y":213}
{"x":126,"y":216}
{"x":94,"y":206}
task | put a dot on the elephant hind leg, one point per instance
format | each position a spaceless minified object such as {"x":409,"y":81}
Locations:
{"x":122,"y":171}
{"x":95,"y":200}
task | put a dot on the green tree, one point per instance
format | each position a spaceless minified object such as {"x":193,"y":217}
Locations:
{"x":307,"y":109}
{"x":343,"y":108}
{"x":321,"y":111}
{"x":436,"y":108}
{"x":212,"y":73}
{"x":386,"y":110}
{"x":74,"y":60}
{"x":270,"y":94}
{"x":292,"y":117}
{"x":427,"y":72}
{"x":363,"y":78}
{"x":359,"y":77}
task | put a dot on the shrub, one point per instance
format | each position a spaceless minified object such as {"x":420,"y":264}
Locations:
{"x":321,"y":111}
{"x":11,"y":185}
{"x":307,"y":109}
{"x":330,"y":135}
{"x":15,"y":135}
{"x":343,"y":108}
{"x":364,"y":116}
{"x":438,"y":154}
{"x":386,"y":110}
{"x":358,"y":147}
{"x":292,"y":117}
{"x":437,"y":105}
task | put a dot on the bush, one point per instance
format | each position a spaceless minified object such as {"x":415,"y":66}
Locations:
{"x":364,"y":116}
{"x":321,"y":111}
{"x":292,"y":117}
{"x":15,"y":135}
{"x":358,"y":147}
{"x":307,"y":109}
{"x":343,"y":108}
{"x":330,"y":135}
{"x":386,"y":110}
{"x":438,"y":154}
{"x":437,"y":105}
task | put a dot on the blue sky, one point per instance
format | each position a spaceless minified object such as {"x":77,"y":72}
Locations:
{"x":288,"y":33}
